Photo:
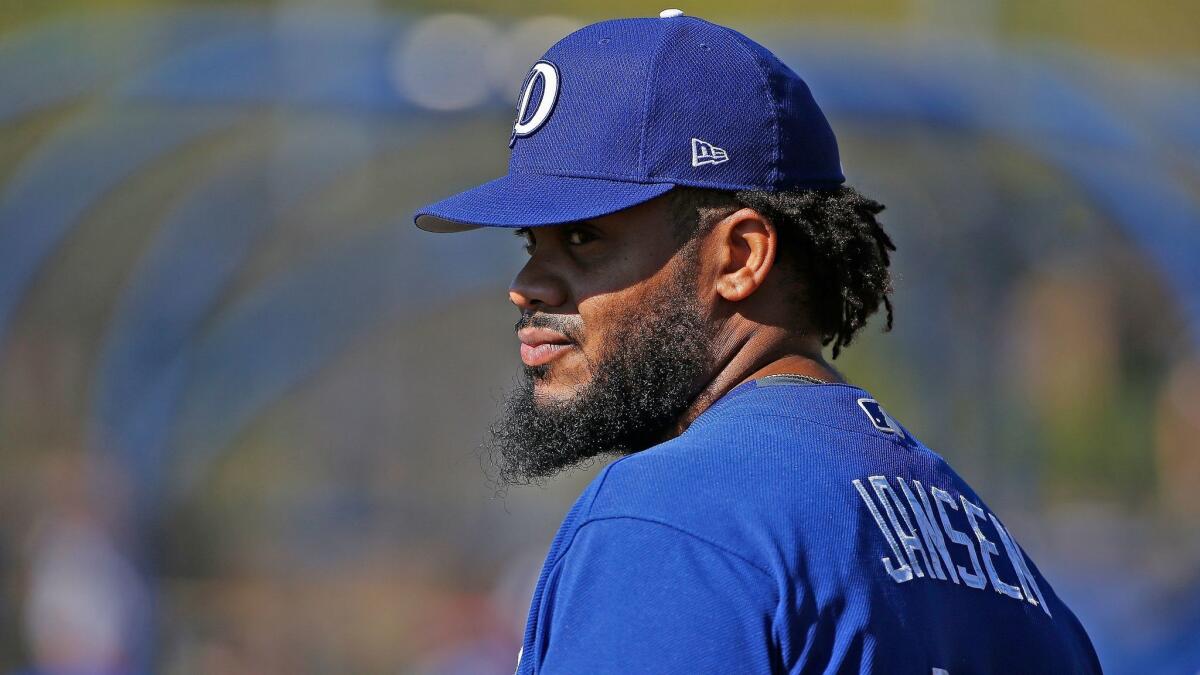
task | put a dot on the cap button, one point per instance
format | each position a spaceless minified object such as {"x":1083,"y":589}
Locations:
{"x":670,"y":13}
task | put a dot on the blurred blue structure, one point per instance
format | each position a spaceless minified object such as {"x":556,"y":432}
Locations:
{"x":182,"y":370}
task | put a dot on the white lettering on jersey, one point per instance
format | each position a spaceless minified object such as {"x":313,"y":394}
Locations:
{"x":926,"y":541}
{"x":908,"y":538}
{"x":1023,"y":575}
{"x":935,"y":543}
{"x":987,"y":549}
{"x":972,"y":579}
{"x":902,"y":572}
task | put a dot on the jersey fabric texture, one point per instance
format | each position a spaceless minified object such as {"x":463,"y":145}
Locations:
{"x":793,"y":528}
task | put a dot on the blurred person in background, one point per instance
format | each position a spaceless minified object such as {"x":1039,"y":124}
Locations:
{"x":692,"y":250}
{"x":85,"y":603}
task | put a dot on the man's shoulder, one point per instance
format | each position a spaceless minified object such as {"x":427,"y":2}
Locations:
{"x":761,"y":438}
{"x":768,"y":463}
{"x":728,"y":480}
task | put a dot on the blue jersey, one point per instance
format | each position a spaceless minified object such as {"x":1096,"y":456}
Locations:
{"x":793,"y":528}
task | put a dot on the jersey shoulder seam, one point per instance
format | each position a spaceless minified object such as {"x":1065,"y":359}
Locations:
{"x":654,"y":521}
{"x":893,"y":438}
{"x":600,"y":481}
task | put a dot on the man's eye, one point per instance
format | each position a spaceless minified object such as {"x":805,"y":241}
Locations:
{"x":579,"y":237}
{"x":527,"y":236}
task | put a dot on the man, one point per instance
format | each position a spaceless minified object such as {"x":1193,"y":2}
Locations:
{"x":691,"y":250}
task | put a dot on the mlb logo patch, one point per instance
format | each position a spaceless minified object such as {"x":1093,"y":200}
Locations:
{"x":878,"y":417}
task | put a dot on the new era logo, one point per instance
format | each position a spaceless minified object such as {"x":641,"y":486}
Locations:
{"x":707,"y":153}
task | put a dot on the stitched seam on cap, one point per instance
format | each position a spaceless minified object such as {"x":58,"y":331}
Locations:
{"x":762,"y":73}
{"x":590,"y":174}
{"x":618,"y":178}
{"x":650,"y":82}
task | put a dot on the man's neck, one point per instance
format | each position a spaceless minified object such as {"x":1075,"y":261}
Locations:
{"x":751,"y":364}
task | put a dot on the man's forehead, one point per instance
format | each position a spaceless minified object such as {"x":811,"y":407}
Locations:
{"x":654,"y":212}
{"x":648,"y":217}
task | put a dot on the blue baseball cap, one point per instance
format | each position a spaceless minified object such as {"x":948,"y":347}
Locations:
{"x":622,"y":111}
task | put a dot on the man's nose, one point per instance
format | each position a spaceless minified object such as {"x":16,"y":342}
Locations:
{"x":536,"y":288}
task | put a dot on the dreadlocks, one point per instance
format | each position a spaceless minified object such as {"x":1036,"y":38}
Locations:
{"x":831,"y":237}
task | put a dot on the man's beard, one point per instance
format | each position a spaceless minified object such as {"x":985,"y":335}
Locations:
{"x":647,"y":378}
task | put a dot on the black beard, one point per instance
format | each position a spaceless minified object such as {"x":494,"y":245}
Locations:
{"x":647,"y":379}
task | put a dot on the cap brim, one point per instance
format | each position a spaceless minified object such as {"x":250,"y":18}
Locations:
{"x":530,"y":200}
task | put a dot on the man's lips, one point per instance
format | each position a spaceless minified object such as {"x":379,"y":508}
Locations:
{"x":540,"y":346}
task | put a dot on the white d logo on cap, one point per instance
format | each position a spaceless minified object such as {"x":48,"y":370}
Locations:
{"x":548,"y":73}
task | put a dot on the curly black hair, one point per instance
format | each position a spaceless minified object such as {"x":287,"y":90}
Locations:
{"x":832,"y":237}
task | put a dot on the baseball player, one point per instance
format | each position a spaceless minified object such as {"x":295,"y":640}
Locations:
{"x":692,"y":249}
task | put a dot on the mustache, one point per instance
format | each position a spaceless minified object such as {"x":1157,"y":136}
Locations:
{"x":570,"y":326}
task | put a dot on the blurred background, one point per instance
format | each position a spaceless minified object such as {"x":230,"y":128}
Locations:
{"x":241,"y":396}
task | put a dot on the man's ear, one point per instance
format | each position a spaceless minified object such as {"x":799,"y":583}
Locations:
{"x":745,"y":244}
